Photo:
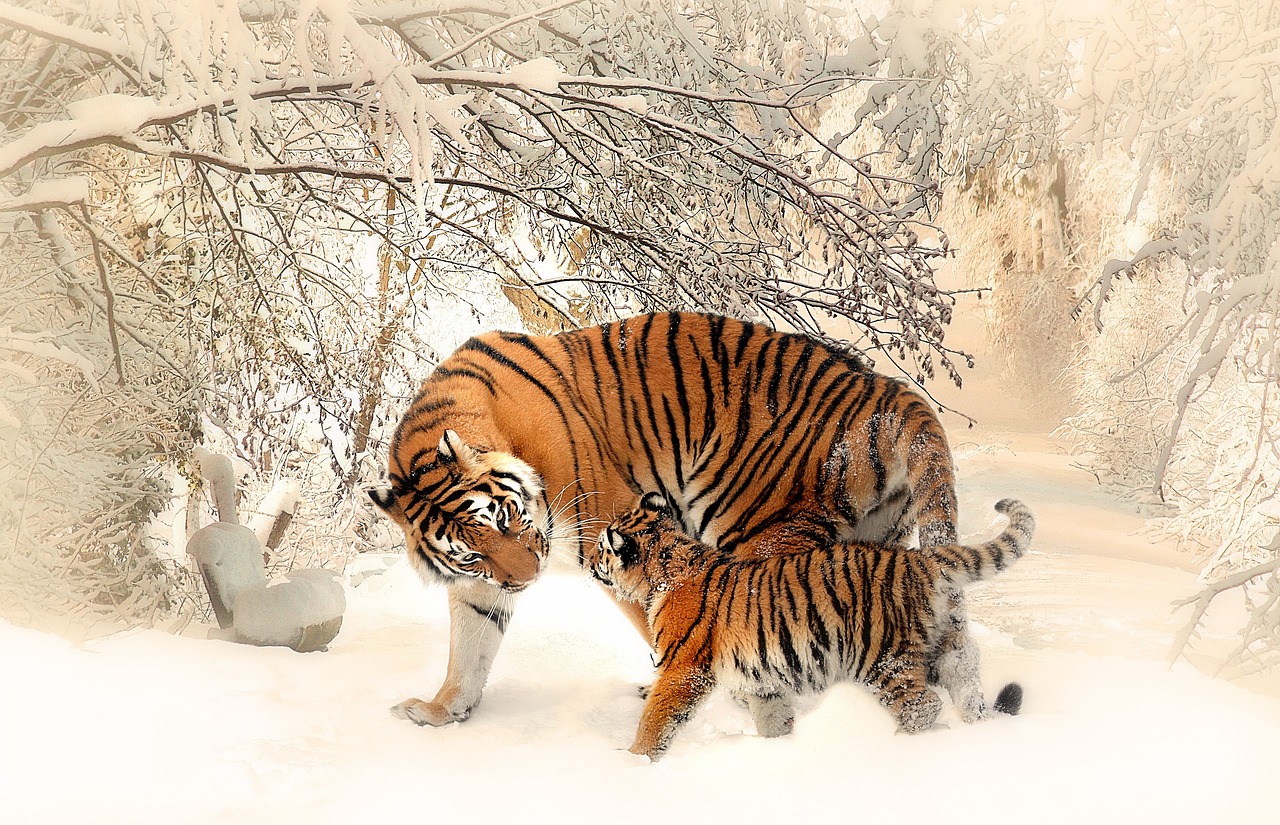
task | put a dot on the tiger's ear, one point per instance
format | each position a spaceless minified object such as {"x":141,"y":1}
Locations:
{"x":453,"y":452}
{"x":384,"y":498}
{"x":628,"y":551}
{"x":656,"y":503}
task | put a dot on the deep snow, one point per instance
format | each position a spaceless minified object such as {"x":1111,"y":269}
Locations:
{"x":150,"y":727}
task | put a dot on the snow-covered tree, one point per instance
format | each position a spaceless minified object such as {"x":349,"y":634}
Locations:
{"x":254,"y":224}
{"x":1138,"y":183}
{"x":1187,"y":91}
{"x":666,"y":147}
{"x":240,"y":220}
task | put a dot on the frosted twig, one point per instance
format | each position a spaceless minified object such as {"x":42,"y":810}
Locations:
{"x":108,"y":295}
{"x":1205,"y":597}
{"x":498,"y":27}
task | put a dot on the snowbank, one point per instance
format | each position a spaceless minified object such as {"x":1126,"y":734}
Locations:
{"x":184,"y":729}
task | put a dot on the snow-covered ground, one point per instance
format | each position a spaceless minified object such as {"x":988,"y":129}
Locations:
{"x":149,"y":727}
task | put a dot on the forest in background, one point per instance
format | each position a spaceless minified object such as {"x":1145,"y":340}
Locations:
{"x":253,"y":228}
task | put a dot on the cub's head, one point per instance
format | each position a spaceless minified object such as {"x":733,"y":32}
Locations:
{"x":643,"y":549}
{"x":468,"y":511}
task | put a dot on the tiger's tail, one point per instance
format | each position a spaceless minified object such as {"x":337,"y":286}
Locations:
{"x":1010,"y":700}
{"x":963,"y":564}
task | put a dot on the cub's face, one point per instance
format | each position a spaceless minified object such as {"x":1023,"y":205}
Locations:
{"x":619,"y":560}
{"x":469,"y":512}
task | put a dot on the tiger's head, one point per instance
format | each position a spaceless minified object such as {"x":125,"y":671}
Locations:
{"x":469,"y":512}
{"x":644,"y":550}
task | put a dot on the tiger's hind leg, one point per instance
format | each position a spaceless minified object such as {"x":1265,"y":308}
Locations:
{"x":933,"y":508}
{"x":774,"y":714}
{"x":956,"y":663}
{"x":901,"y":685}
{"x":901,"y":478}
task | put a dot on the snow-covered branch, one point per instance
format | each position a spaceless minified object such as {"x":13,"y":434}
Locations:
{"x":49,"y":194}
{"x":55,"y":31}
{"x":248,"y":214}
{"x":1257,"y":634}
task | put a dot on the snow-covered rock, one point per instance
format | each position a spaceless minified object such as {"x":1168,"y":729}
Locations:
{"x":302,"y":610}
{"x":368,"y":565}
{"x":230,"y":560}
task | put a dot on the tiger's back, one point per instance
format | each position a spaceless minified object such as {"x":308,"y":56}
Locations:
{"x":743,"y":428}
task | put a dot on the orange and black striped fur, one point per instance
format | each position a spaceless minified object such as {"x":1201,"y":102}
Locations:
{"x":775,"y":627}
{"x":521,"y":446}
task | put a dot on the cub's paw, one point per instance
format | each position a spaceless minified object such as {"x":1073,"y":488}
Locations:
{"x":774,"y":715}
{"x":971,"y":705}
{"x":917,"y":714}
{"x":427,"y":713}
{"x":774,"y":726}
{"x":641,"y":755}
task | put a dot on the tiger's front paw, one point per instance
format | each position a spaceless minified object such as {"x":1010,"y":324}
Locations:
{"x":427,"y":713}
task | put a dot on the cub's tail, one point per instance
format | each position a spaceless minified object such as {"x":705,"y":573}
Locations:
{"x":964,"y":564}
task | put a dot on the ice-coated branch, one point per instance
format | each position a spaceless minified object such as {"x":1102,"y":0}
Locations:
{"x":500,"y":26}
{"x":66,"y":258}
{"x":698,"y":141}
{"x":123,"y":119}
{"x":54,"y":31}
{"x":1204,"y":599}
{"x":61,"y":193}
{"x":109,"y":297}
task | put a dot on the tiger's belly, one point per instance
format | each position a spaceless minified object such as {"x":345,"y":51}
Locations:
{"x":796,"y":661}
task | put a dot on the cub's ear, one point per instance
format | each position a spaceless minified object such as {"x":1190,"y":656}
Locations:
{"x":454,"y":452}
{"x":383,"y":497}
{"x":628,"y":551}
{"x":655,"y":502}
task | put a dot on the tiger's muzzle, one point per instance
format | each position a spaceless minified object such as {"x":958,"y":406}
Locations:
{"x":514,"y":561}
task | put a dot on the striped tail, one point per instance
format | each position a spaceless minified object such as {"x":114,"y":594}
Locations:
{"x":964,"y":564}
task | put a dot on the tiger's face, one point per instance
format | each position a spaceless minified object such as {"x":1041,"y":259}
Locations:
{"x":639,"y":551}
{"x":470,"y":512}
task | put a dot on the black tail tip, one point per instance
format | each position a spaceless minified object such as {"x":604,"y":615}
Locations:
{"x":1004,"y":505}
{"x":1010,"y":699}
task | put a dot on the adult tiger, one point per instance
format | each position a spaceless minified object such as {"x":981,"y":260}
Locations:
{"x":752,"y":435}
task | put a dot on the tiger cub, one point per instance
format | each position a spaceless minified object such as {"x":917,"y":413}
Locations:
{"x":771,"y":628}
